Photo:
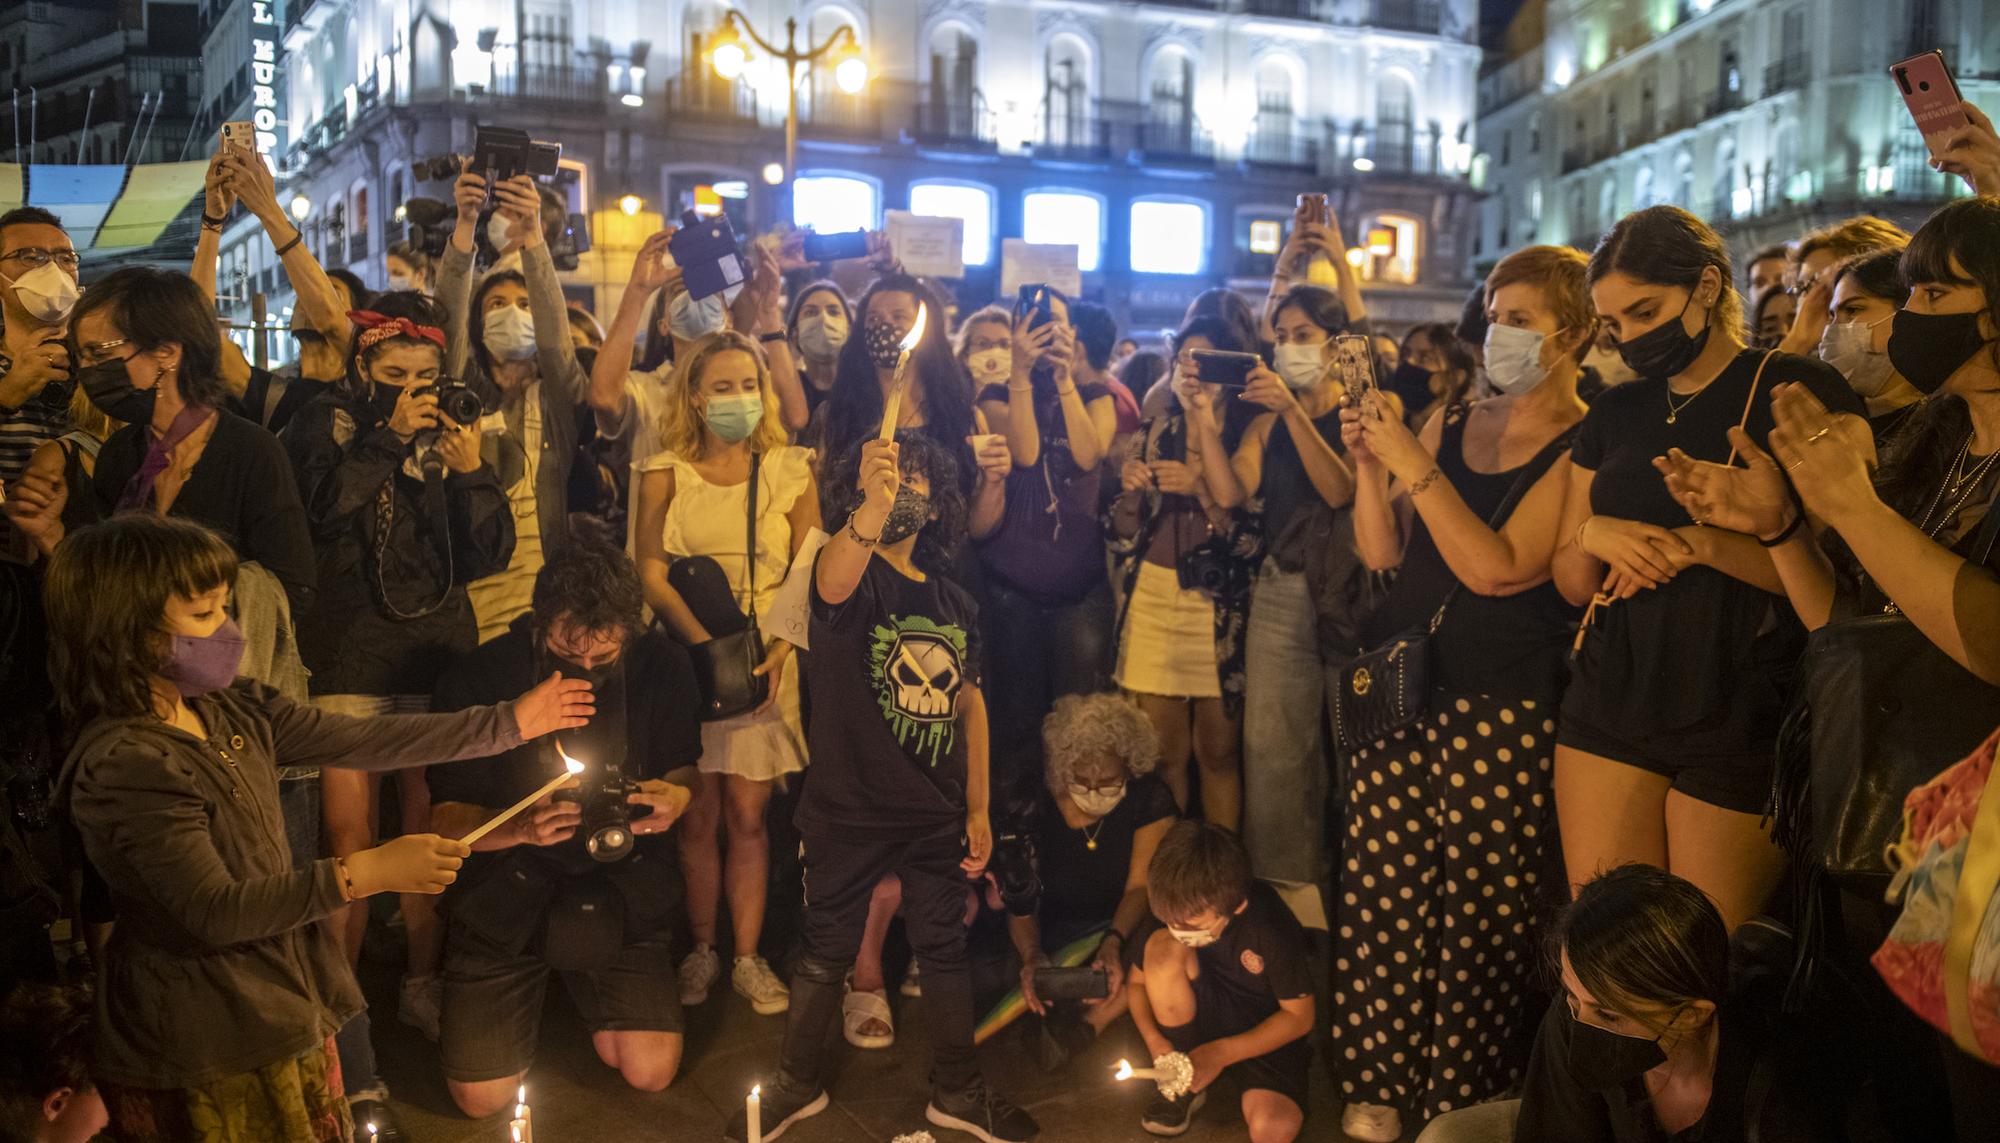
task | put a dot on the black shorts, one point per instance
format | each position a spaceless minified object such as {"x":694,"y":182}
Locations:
{"x":493,"y":1001}
{"x":1218,"y":1013}
{"x":1708,"y":768}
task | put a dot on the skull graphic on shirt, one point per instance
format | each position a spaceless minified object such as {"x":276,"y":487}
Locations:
{"x":923,"y":670}
{"x":919,"y":669}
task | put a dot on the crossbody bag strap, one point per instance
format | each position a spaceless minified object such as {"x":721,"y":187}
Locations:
{"x":1536,"y":468}
{"x":1749,"y":403}
{"x":750,"y":529}
{"x":1989,"y":533}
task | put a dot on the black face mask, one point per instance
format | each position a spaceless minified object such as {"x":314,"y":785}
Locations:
{"x":382,"y":398}
{"x":1410,"y":377}
{"x":911,"y":512}
{"x":1600,"y":1060}
{"x":1667,"y":348}
{"x":109,"y":387}
{"x":885,"y":344}
{"x":1928,"y":348}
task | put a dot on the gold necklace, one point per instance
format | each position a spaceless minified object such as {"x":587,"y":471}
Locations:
{"x":1674,"y":411}
{"x":1090,"y":835}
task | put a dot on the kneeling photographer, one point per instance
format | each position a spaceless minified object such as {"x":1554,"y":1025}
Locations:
{"x":583,"y":881}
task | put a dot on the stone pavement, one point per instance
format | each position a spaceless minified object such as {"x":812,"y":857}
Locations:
{"x":876,"y":1095}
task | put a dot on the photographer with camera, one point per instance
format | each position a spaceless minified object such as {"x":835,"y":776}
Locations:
{"x":1095,"y":823}
{"x":403,"y":513}
{"x":510,"y":343}
{"x":583,"y":882}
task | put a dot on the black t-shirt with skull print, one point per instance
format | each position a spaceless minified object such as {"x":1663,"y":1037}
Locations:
{"x":886,"y":671}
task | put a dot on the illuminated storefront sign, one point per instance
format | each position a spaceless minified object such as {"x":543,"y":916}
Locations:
{"x":264,"y":74}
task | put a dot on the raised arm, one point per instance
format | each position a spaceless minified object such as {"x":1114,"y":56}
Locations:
{"x":845,"y":558}
{"x":1205,"y":437}
{"x":318,"y":299}
{"x":217,"y":201}
{"x":989,"y":489}
{"x":1324,"y":466}
{"x":759,"y":311}
{"x":555,"y":353}
{"x":607,"y":394}
{"x":454,"y":273}
{"x":1016,"y":419}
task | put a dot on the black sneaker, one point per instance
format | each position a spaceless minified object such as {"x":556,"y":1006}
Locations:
{"x":782,"y":1107}
{"x":388,"y":1128}
{"x":982,"y":1115}
{"x":1172,"y":1116}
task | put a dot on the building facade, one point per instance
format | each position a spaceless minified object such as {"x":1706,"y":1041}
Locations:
{"x":98,"y":81}
{"x":1766,"y":117}
{"x":1167,"y":140}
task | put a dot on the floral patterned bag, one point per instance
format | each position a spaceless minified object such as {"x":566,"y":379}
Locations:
{"x":1942,"y":958}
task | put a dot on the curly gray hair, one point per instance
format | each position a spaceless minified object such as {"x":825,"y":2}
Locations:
{"x":1083,"y":726}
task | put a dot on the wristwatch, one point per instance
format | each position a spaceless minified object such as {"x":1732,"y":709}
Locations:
{"x":774,"y":335}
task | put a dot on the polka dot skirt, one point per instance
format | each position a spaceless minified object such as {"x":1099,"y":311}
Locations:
{"x":1450,"y":827}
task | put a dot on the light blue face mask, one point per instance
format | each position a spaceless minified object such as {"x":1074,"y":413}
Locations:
{"x":1514,"y":358}
{"x":692,"y":320}
{"x":733,"y":418}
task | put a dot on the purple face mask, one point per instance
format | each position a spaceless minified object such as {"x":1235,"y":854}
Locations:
{"x":204,"y":664}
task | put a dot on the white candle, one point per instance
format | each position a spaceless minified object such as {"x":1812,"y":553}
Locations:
{"x":892,"y":406}
{"x":1127,"y":1071}
{"x":522,"y":1115}
{"x":753,"y":1109}
{"x":571,"y":768}
{"x":519,"y":1127}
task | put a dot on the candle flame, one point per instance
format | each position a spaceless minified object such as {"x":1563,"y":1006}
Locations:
{"x":516,"y":1128}
{"x":1124,"y":1070}
{"x":574,"y":767}
{"x":916,"y":333}
{"x":521,"y":1093}
{"x":756,"y":1091}
{"x":371,"y":1130}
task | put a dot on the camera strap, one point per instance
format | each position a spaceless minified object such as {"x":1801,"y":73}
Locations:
{"x":439,"y":516}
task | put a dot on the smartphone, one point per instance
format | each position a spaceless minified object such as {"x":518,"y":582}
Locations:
{"x":1354,"y":364}
{"x":836,"y":247}
{"x":1317,"y":205}
{"x":1034,"y":299}
{"x":1931,"y":95}
{"x":241,"y":134}
{"x":1087,"y":983}
{"x":1220,"y":367}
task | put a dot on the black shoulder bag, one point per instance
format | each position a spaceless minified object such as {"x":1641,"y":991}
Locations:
{"x":724,"y":666}
{"x":1386,"y":688}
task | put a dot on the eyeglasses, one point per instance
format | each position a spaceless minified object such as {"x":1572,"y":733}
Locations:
{"x":97,"y":352}
{"x":1078,"y":786}
{"x":38,"y":256}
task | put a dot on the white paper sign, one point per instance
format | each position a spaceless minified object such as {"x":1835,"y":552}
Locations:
{"x":791,"y":612}
{"x":927,"y":246}
{"x":1032,"y":264}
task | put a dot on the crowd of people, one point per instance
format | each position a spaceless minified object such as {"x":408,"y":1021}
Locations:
{"x":1460,"y":711}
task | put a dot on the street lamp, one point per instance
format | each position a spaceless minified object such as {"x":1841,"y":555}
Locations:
{"x":729,"y":55}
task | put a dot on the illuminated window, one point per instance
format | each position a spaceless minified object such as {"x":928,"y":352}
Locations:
{"x":1169,"y":237}
{"x":972,"y":205}
{"x":835,"y":204}
{"x":1065,"y":218}
{"x":1389,"y":248}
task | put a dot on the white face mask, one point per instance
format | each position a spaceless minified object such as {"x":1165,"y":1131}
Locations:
{"x":692,"y":320}
{"x":510,"y":334}
{"x":822,"y":335}
{"x":1096,"y":803}
{"x":1194,"y":938}
{"x":1301,"y":366}
{"x":498,"y":229}
{"x":401,"y":281}
{"x":48,"y":293}
{"x":1514,"y":358}
{"x":990,"y":366}
{"x":1849,"y":346}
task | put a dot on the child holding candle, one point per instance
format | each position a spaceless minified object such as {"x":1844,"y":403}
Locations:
{"x":223,"y":983}
{"x":1224,"y":979}
{"x":899,"y":779}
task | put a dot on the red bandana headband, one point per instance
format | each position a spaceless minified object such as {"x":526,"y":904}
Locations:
{"x":377,"y":327}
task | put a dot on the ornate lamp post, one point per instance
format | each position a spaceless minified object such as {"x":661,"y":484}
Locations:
{"x":729,"y":55}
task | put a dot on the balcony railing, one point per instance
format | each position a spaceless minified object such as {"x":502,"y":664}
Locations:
{"x":829,"y":112}
{"x":357,"y":246}
{"x":1788,"y":74}
{"x":704,"y":96}
{"x":1724,"y":101}
{"x":1083,"y":138}
{"x":581,"y":85}
{"x":1396,"y":150}
{"x":1278,"y":145}
{"x":1171,"y":140}
{"x":1424,"y":16}
{"x":961,"y":124}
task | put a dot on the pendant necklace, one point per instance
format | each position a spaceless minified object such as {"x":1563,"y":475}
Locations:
{"x":1090,"y":835}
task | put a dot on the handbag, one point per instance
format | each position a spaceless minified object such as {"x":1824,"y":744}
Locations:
{"x":725,"y":666}
{"x":1877,"y":711}
{"x":1386,"y":688}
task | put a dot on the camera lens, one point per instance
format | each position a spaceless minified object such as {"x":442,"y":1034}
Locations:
{"x":609,"y":843}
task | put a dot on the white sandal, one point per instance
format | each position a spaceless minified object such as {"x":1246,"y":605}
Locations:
{"x":857,"y":1008}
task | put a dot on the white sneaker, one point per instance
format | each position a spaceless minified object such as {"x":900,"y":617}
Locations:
{"x":912,"y":987}
{"x":698,"y":973}
{"x":420,"y":1002}
{"x":755,"y":982}
{"x":1372,"y":1123}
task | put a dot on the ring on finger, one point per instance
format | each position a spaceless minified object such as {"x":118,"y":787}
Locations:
{"x":1814,"y":439}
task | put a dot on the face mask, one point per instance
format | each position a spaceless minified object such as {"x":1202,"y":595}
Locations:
{"x":109,"y":386}
{"x":204,"y":664}
{"x":46,"y":292}
{"x":990,"y":366}
{"x":510,"y":333}
{"x":1600,"y":1060}
{"x":885,"y":344}
{"x":1666,"y":349}
{"x":821,"y":336}
{"x":383,"y":397}
{"x":1301,"y":366}
{"x":1928,"y":348}
{"x":1849,"y":346}
{"x":1096,"y":803}
{"x":1410,"y":377}
{"x":497,"y":230}
{"x":1194,"y":938}
{"x":1514,"y":358}
{"x":401,"y":281}
{"x":907,"y":518}
{"x":692,"y":320}
{"x":733,"y":418}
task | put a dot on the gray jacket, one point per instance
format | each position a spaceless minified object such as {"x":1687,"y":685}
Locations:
{"x":223,"y":960}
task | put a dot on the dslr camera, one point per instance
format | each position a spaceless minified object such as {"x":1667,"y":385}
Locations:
{"x":606,"y":828}
{"x":500,"y":153}
{"x":1211,"y":566}
{"x":1016,"y":870}
{"x":456,"y":400}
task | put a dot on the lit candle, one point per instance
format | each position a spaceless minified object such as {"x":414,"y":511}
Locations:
{"x":571,"y":768}
{"x":892,"y":406}
{"x":1127,"y":1071}
{"x":524,"y":1119}
{"x":753,"y":1110}
{"x":371,"y":1130}
{"x":520,"y":1129}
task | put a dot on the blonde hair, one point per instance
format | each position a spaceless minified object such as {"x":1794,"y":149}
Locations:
{"x":979,"y":316}
{"x":1083,"y":726}
{"x":680,"y":422}
{"x":1862,"y":234}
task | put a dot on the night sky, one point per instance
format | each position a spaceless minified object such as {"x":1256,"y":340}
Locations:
{"x":1493,"y":17}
